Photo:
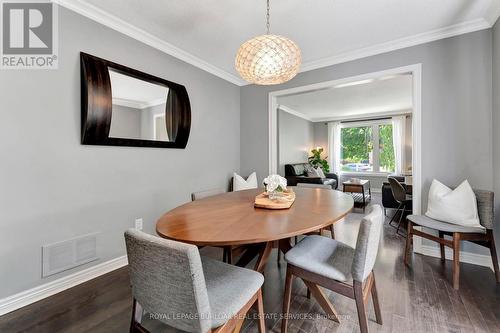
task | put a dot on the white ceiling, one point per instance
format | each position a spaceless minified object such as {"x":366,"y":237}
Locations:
{"x":207,"y":33}
{"x":356,"y":99}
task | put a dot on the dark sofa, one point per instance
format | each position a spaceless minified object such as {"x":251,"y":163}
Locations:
{"x":296,"y":173}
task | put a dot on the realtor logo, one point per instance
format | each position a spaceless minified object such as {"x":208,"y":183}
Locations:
{"x":29,"y":35}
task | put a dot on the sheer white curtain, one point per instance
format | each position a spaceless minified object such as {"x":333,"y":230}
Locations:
{"x":334,"y":146}
{"x":398,"y":138}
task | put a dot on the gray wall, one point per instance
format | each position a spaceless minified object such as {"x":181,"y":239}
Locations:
{"x":496,"y":124}
{"x":456,"y":108}
{"x":295,"y":140}
{"x":54,"y":188}
{"x":125,"y":122}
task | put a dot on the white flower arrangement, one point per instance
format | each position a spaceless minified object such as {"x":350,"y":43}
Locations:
{"x":275,"y":183}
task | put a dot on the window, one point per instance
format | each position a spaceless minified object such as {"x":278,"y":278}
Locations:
{"x":359,"y":153}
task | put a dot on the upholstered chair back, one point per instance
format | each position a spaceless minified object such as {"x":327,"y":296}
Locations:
{"x":485,"y":207}
{"x":324,"y":186}
{"x":205,"y":194}
{"x":398,"y":190}
{"x":167,"y":280}
{"x":367,"y":244}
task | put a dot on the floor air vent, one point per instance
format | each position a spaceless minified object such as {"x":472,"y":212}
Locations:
{"x":61,"y":256}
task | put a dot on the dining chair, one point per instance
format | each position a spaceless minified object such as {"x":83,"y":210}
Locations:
{"x":171,"y":281}
{"x":321,"y":186}
{"x":482,"y":236}
{"x":205,"y":194}
{"x":399,"y":194}
{"x":323,"y":262}
{"x":229,"y":252}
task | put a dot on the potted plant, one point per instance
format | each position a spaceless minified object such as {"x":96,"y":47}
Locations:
{"x":316,"y":161}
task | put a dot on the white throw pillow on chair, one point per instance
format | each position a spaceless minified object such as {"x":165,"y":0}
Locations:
{"x":240,"y":184}
{"x":458,"y":206}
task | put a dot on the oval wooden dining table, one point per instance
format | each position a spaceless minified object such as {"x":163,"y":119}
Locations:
{"x":231,"y":219}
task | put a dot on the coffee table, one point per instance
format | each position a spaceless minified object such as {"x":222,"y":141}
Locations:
{"x":360,"y":191}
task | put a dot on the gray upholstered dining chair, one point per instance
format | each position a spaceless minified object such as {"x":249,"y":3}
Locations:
{"x":482,"y":236}
{"x":207,"y":193}
{"x":186,"y":291}
{"x":400,"y":196}
{"x":321,"y":261}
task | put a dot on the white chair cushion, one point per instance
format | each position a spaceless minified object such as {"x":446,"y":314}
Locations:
{"x":458,"y":206}
{"x":240,"y":184}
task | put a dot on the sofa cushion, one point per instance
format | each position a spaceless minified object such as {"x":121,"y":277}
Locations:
{"x":300,"y":169}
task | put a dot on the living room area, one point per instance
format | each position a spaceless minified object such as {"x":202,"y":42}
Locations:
{"x":351,"y":136}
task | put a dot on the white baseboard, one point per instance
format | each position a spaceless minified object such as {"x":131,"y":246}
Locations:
{"x":14,"y":302}
{"x":465,"y":257}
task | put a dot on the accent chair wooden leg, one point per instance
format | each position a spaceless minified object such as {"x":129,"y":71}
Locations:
{"x":494,"y":256}
{"x":376,"y":304}
{"x":332,"y":230}
{"x":260,"y":312}
{"x":441,"y":247}
{"x":286,"y":299}
{"x":456,"y":260}
{"x":360,"y":306}
{"x":409,"y":239}
{"x":279,"y":256}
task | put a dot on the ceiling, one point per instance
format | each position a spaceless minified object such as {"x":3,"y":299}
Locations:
{"x":383,"y":96}
{"x":207,"y":33}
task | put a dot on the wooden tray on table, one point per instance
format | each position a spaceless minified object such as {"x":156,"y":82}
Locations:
{"x":285,"y":202}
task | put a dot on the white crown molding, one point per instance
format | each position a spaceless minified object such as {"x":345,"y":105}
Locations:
{"x":293,"y":112}
{"x":138,"y":105}
{"x":465,"y":257}
{"x":426,"y":37}
{"x":115,"y":23}
{"x":493,"y":13}
{"x":19,"y":300}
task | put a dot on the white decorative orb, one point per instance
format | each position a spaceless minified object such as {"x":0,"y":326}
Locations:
{"x":268,"y":59}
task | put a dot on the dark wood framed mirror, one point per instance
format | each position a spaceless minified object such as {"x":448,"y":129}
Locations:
{"x":122,"y":106}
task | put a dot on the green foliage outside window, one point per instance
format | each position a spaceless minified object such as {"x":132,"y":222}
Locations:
{"x":387,"y":160}
{"x":356,"y":144}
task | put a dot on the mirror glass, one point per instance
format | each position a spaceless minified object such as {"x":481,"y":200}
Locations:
{"x":139,"y":108}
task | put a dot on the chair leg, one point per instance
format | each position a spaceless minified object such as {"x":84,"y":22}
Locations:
{"x":135,"y":325}
{"x":456,"y":260}
{"x":229,"y":255}
{"x":376,"y":304}
{"x":286,"y":300}
{"x":296,"y":240}
{"x":441,"y":247}
{"x":260,"y":312}
{"x":360,"y":305}
{"x":224,"y":255}
{"x":494,"y":257}
{"x":332,"y":230}
{"x":409,"y":240}
{"x":279,"y":256}
{"x":401,"y":217}
{"x":396,"y":213}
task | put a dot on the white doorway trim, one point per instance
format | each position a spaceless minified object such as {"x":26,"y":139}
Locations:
{"x":416,"y":71}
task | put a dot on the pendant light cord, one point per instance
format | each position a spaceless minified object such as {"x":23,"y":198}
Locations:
{"x":268,"y":25}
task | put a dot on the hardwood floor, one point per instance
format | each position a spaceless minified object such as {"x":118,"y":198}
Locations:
{"x":416,"y":299}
